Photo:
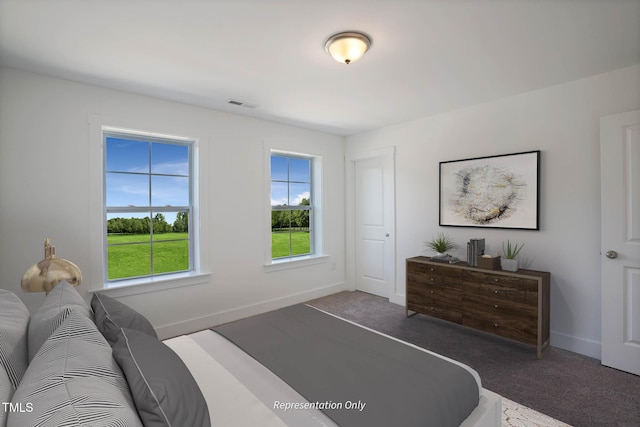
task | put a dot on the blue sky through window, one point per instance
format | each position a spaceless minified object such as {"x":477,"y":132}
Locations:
{"x":290,"y":180}
{"x":130,"y":164}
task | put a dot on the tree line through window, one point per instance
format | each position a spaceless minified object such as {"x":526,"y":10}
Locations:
{"x":143,"y":225}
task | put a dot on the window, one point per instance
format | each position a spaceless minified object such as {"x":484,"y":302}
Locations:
{"x":148,"y":205}
{"x":291,"y":206}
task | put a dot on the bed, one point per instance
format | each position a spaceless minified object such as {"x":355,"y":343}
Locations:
{"x":102,"y":365}
{"x":254,"y":395}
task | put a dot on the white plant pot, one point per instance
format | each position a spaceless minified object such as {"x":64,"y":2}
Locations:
{"x":509,"y":264}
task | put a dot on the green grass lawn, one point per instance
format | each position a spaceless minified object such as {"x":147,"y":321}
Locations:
{"x":135,"y":260}
{"x":300,"y":244}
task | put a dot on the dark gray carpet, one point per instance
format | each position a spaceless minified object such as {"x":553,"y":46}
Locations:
{"x":573,"y":388}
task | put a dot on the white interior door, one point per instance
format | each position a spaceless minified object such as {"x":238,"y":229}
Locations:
{"x":620,"y":198}
{"x":374,"y":211}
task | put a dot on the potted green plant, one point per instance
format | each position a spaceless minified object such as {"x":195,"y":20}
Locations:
{"x":441,"y":244}
{"x":509,"y":260}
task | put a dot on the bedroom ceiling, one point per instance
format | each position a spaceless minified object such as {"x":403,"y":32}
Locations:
{"x":427,"y":57}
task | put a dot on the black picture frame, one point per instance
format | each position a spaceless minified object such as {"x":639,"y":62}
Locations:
{"x":501,"y":191}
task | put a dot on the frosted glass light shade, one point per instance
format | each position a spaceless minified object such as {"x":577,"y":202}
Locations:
{"x":347,"y":47}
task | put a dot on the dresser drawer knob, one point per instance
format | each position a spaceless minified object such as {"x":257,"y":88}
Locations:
{"x":495,"y":306}
{"x":431,"y":291}
{"x":495,"y":325}
{"x":431,"y":279}
{"x":431,"y":269}
{"x":495,"y":292}
{"x":496,"y":280}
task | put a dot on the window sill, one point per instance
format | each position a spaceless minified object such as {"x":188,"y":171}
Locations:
{"x":153,"y":284}
{"x":297,"y":262}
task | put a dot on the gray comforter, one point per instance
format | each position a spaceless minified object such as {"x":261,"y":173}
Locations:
{"x":355,"y":376}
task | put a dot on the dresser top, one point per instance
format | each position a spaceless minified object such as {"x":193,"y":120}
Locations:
{"x":465,"y":266}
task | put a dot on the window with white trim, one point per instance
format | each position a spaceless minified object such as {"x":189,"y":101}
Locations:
{"x":292,"y":206}
{"x":148,"y":205}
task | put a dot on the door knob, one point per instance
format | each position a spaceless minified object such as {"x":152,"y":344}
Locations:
{"x":386,"y":234}
{"x":612,"y":254}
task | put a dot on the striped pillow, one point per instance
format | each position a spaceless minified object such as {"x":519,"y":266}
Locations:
{"x":74,"y":381}
{"x":14,"y":321}
{"x":57,"y":306}
{"x":6,"y":391}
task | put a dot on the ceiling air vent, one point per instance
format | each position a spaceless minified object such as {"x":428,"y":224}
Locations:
{"x":241,"y":104}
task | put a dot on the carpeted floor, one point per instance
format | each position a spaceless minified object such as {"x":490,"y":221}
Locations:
{"x":573,"y":388}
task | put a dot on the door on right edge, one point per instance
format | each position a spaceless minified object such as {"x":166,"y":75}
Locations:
{"x":620,"y":228}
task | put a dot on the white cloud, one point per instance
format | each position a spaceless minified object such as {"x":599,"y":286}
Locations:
{"x":167,"y":168}
{"x":172,"y":168}
{"x":298,"y":199}
{"x":279,"y":202}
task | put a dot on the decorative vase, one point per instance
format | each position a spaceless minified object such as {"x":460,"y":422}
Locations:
{"x":509,"y":264}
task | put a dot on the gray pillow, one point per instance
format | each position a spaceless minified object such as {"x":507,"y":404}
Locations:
{"x":14,"y":324}
{"x":57,"y":306}
{"x":110,"y":315}
{"x":163,"y":389}
{"x":73,"y":381}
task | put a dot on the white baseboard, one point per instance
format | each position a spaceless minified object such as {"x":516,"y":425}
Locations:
{"x":577,"y":345}
{"x":398,"y":299}
{"x":213,"y":319}
{"x":582,"y":346}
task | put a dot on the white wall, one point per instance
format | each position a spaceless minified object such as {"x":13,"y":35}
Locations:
{"x":45,"y":191}
{"x":563,"y":122}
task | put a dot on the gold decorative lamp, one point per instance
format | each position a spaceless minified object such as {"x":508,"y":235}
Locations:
{"x":46,"y":274}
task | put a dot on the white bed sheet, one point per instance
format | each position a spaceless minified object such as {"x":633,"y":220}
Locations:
{"x":230,"y":403}
{"x":240,"y":391}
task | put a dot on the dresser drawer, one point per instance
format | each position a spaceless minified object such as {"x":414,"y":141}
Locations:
{"x":513,"y":282}
{"x":451,"y":314}
{"x":450,"y":291}
{"x":441,"y":295}
{"x":523,"y":332}
{"x":502,"y":292}
{"x":480,"y":306}
{"x":420,"y":271}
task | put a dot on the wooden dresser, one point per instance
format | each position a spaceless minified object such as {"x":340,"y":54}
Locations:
{"x":511,"y":305}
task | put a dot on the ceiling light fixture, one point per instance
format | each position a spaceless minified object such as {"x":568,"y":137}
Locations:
{"x":347,"y":47}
